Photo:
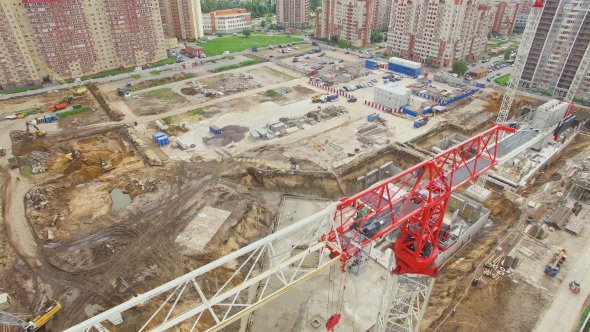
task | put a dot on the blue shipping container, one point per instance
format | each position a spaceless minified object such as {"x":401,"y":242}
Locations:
{"x":373,"y":117}
{"x":480,"y":85}
{"x":370,"y":64}
{"x":409,"y":112}
{"x":332,"y":97}
{"x":404,"y":70}
{"x":427,"y":110}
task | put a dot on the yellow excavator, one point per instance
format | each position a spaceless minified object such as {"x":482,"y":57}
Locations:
{"x":33,"y":322}
{"x":40,"y":133}
{"x":74,"y":155}
{"x":106,"y":166}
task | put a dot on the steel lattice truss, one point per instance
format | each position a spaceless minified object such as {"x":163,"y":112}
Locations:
{"x":191,"y":300}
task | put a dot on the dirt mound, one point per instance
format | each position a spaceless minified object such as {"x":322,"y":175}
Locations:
{"x":189,"y":91}
{"x":231,"y":133}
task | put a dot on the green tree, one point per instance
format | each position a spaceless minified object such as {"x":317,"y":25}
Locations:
{"x":334,"y":38}
{"x":263,"y":23}
{"x":507,"y":54}
{"x":342,"y":43}
{"x":460,"y":68}
{"x":315,"y":4}
{"x":247,"y":32}
{"x":376,"y":37}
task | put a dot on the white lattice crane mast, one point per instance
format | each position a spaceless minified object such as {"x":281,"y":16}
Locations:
{"x":580,"y":74}
{"x":520,"y":61}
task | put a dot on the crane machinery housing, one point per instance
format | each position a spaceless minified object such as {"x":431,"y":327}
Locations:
{"x":339,"y":235}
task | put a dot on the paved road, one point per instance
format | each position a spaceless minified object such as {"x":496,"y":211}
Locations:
{"x":19,"y":232}
{"x":563,"y":314}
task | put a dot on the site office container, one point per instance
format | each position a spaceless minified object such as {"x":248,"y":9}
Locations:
{"x":214,"y":129}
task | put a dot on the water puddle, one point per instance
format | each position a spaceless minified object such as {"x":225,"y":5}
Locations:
{"x":120,"y":200}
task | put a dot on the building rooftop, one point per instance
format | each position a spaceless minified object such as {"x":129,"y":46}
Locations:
{"x":394,"y":87}
{"x":479,"y":71}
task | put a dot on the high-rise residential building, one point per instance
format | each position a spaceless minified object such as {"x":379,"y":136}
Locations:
{"x":75,"y":38}
{"x":439,"y":32}
{"x":293,"y":13}
{"x":350,"y":20}
{"x":182,"y":18}
{"x":523,"y":12}
{"x":381,"y":12}
{"x":505,"y":18}
{"x":227,"y":21}
{"x":561,"y":39}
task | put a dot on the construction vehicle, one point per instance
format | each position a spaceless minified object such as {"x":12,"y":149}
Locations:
{"x":575,"y":287}
{"x":425,"y":189}
{"x":106,"y":167}
{"x":132,"y":290}
{"x":2,"y":151}
{"x":12,"y":162}
{"x":554,"y":266}
{"x":40,"y":133}
{"x":45,"y":312}
{"x":58,"y":107}
{"x":21,"y":115}
{"x":318,"y":98}
{"x":421,"y":121}
{"x":495,"y":95}
{"x":74,"y":155}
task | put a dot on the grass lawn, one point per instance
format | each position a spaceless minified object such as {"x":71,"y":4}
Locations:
{"x":241,"y":43}
{"x":580,"y":101}
{"x":73,"y":111}
{"x":503,"y":80}
{"x":155,"y":72}
{"x":163,"y":94}
{"x":236,"y":66}
{"x":6,"y":92}
{"x":544,"y":93}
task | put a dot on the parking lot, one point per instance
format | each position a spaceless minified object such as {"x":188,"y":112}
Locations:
{"x":326,"y":59}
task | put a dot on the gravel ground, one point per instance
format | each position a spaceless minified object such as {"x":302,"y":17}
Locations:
{"x":231,"y":133}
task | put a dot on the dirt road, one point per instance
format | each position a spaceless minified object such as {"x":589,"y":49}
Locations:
{"x":17,"y":227}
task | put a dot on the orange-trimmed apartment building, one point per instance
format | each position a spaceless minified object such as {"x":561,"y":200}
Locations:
{"x":227,"y":21}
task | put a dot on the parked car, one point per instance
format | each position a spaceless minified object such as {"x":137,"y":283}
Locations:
{"x":351,"y":100}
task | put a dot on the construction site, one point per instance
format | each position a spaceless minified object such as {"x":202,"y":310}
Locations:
{"x":135,"y":185}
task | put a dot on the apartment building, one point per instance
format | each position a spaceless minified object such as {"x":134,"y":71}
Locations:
{"x":227,"y":21}
{"x":182,"y":18}
{"x":350,"y":20}
{"x":381,"y":12}
{"x":75,"y":38}
{"x":439,"y":32}
{"x":293,"y":13}
{"x":505,"y":18}
{"x":561,"y":39}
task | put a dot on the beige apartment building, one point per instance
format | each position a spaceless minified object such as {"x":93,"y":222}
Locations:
{"x":227,"y":21}
{"x":293,"y":13}
{"x":439,"y":32}
{"x":182,"y":18}
{"x":381,"y":13}
{"x":350,"y":20}
{"x":76,"y":38}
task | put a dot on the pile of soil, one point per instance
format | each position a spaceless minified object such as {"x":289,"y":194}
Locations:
{"x":189,"y":91}
{"x":231,"y":133}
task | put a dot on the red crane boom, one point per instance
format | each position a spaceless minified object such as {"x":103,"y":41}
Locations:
{"x":418,"y":212}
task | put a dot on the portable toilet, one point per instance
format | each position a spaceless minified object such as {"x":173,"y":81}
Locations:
{"x":157,"y":136}
{"x":50,"y":118}
{"x":254,"y":48}
{"x":163,"y":140}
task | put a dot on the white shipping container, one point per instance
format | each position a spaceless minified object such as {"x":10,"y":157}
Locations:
{"x":181,"y":144}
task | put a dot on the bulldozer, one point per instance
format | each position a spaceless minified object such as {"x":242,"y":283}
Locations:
{"x":106,"y":167}
{"x":495,"y":95}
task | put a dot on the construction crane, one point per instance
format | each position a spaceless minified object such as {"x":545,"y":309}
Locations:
{"x":521,"y":56}
{"x":75,"y":92}
{"x":340,"y":234}
{"x":519,"y":63}
{"x":47,"y":309}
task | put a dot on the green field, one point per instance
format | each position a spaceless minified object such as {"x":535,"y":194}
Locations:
{"x":164,"y":93}
{"x":241,"y":43}
{"x":6,"y":92}
{"x":503,"y":80}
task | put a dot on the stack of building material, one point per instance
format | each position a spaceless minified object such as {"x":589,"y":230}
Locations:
{"x":560,"y":217}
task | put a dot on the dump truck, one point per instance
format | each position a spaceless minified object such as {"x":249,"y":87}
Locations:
{"x":12,"y":162}
{"x":58,"y":107}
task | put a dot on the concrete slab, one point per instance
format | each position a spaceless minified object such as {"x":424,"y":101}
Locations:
{"x":202,"y":228}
